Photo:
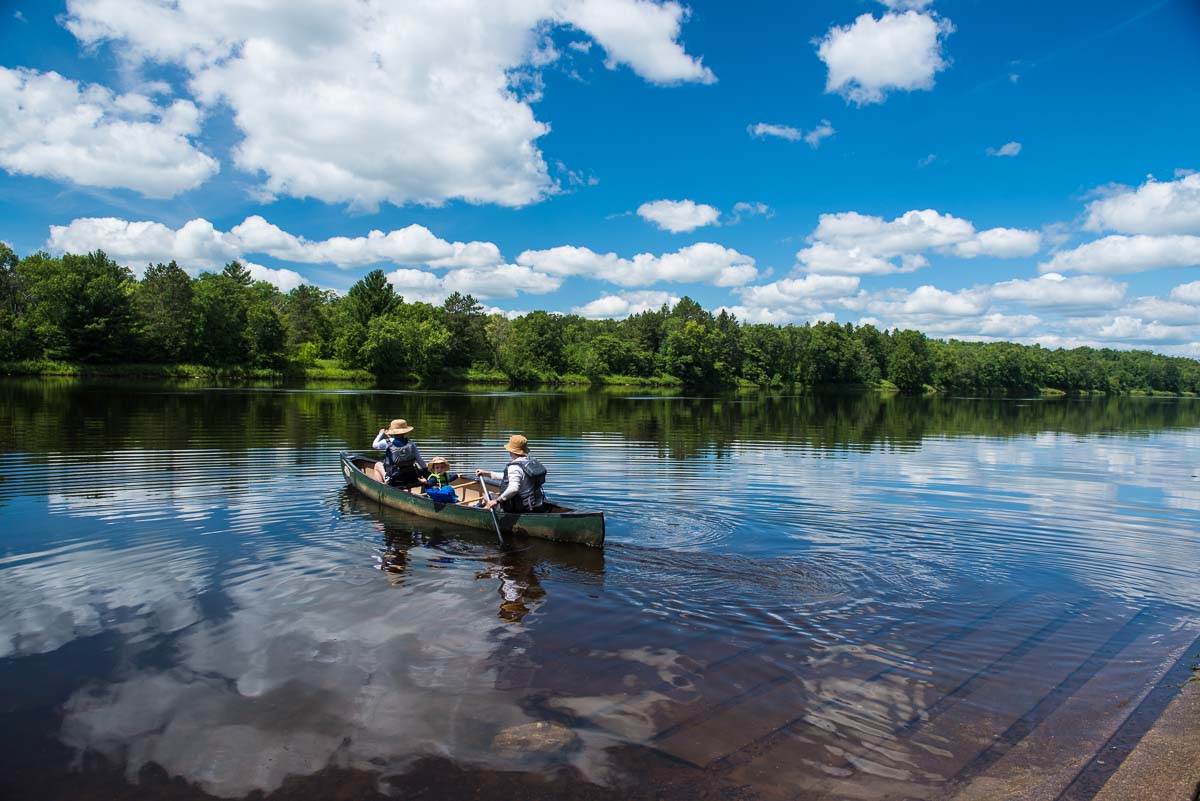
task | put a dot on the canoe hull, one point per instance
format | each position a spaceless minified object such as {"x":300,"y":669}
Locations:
{"x":579,"y":527}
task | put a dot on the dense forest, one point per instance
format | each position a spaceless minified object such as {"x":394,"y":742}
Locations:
{"x":87,"y":309}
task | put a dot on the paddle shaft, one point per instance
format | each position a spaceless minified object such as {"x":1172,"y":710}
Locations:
{"x":487,"y":496}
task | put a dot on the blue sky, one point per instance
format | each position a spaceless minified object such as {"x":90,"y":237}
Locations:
{"x":972,"y":169}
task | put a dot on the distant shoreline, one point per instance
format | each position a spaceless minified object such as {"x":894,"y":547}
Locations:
{"x":324,"y":374}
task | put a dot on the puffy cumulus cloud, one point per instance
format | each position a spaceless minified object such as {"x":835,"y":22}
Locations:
{"x":1159,"y":310}
{"x":52,"y":127}
{"x":198,"y":245}
{"x":623,"y":304}
{"x":799,"y":293}
{"x":1009,"y":150}
{"x":194,"y":245}
{"x":828,"y":259}
{"x":678,"y":215}
{"x":413,"y":244}
{"x":701,"y":262}
{"x":823,"y":131}
{"x":418,"y":285}
{"x":376,"y":101}
{"x":285,"y":280}
{"x":1123,"y":328}
{"x":758,"y":314}
{"x":501,"y":281}
{"x":911,"y":232}
{"x":1168,"y":207}
{"x":485,"y":283}
{"x":1003,"y":243}
{"x":1059,"y":291}
{"x":929,"y":300}
{"x":859,"y":244}
{"x":640,"y":33}
{"x":1127,"y":254}
{"x":1187,"y":293}
{"x":872,"y":57}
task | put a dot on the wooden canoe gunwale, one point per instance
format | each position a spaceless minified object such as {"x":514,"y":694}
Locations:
{"x":571,"y":525}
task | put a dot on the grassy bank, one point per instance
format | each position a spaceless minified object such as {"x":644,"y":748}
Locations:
{"x":319,"y":372}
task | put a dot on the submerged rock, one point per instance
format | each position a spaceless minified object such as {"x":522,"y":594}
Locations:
{"x":537,"y":738}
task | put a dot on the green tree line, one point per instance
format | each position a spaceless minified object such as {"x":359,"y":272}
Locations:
{"x":87,"y":309}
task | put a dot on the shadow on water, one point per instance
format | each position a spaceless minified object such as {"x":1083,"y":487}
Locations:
{"x":803,"y":596}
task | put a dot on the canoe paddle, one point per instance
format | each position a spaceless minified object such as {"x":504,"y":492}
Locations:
{"x":487,"y":496}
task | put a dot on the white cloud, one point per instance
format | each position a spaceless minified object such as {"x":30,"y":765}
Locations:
{"x":1003,"y":243}
{"x":678,"y":215}
{"x":763,"y":129}
{"x":385,"y":102}
{"x":859,"y":244}
{"x":872,"y":57}
{"x":413,"y":244}
{"x":53,"y":127}
{"x":501,"y":281}
{"x":824,"y":130}
{"x":1187,"y":293}
{"x":623,"y":304}
{"x":195,"y":245}
{"x":198,"y":244}
{"x":1170,"y":312}
{"x":1123,"y":328}
{"x":799,"y":293}
{"x":484,"y":283}
{"x":904,"y":5}
{"x":912,"y":232}
{"x":927,"y":160}
{"x":639,"y":33}
{"x":1059,"y":291}
{"x":742,"y":210}
{"x":758,"y":314}
{"x":285,"y":280}
{"x":1010,"y":150}
{"x":1127,"y":254}
{"x":1169,"y":207}
{"x":701,"y":262}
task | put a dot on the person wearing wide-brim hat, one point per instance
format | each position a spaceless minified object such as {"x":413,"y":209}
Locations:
{"x":439,"y":473}
{"x":523,"y":479}
{"x":402,"y":465}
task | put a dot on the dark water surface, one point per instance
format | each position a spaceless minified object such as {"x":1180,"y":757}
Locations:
{"x":802,"y":597}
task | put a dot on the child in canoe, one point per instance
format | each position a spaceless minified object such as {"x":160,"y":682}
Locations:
{"x":437,"y":485}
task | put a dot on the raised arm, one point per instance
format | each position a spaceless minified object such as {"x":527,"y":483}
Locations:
{"x":381,"y":441}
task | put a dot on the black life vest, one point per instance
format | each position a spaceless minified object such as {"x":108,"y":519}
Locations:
{"x":400,"y":463}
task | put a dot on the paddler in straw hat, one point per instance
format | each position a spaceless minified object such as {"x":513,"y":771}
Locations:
{"x":523,"y":478}
{"x":402,"y":465}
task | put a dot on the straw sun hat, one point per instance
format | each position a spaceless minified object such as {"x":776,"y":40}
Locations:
{"x":398,"y":427}
{"x":517,"y":444}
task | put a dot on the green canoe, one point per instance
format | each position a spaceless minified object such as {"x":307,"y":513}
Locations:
{"x":560,"y":524}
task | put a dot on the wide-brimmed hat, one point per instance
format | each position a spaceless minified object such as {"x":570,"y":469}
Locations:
{"x":517,"y":444}
{"x":439,"y":460}
{"x":398,"y":427}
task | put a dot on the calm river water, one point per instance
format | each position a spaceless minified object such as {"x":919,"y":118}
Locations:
{"x":803,"y":597}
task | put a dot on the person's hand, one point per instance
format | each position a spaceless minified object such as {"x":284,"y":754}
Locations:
{"x":490,"y":503}
{"x":479,"y":472}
